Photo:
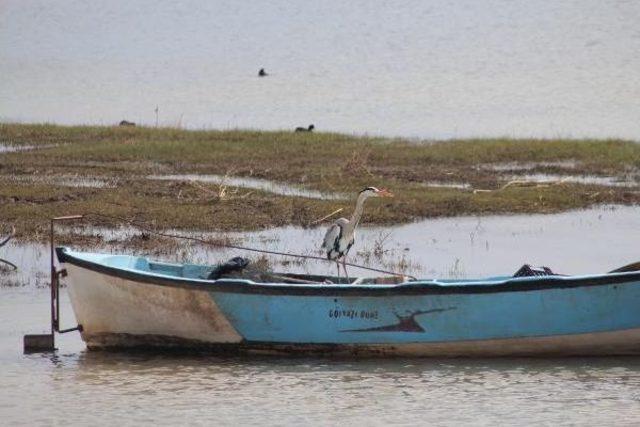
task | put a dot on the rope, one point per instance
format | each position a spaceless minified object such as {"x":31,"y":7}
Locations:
{"x":144,"y":228}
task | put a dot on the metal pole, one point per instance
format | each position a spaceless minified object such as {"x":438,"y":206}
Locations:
{"x":53,"y":287}
{"x":46,"y":342}
{"x":55,"y":279}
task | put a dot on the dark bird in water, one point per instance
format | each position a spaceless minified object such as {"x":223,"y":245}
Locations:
{"x":309,"y":129}
{"x":342,"y":233}
{"x":126,"y":123}
{"x":262,"y":73}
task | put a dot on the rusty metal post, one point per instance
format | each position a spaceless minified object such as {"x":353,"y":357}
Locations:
{"x":46,"y":342}
{"x":52,"y":270}
{"x":55,"y":279}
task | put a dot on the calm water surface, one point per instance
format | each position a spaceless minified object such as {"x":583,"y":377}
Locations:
{"x":413,"y":68}
{"x":78,"y":387}
{"x":75,"y":387}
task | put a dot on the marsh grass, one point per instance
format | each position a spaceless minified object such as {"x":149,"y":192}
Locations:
{"x":319,"y":161}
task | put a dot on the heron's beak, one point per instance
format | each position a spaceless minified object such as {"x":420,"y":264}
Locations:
{"x":383,"y":192}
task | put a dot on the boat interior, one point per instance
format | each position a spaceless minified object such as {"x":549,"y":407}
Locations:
{"x":238,"y":268}
{"x":242,"y":268}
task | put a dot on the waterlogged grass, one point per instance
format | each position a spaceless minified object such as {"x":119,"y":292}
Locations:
{"x":319,"y":161}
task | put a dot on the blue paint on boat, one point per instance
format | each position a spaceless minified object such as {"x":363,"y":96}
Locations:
{"x":462,"y":317}
{"x":421,"y":311}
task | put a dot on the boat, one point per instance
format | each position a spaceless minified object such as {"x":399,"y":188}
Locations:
{"x":126,"y":302}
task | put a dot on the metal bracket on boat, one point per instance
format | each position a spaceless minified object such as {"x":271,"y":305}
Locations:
{"x":46,"y":342}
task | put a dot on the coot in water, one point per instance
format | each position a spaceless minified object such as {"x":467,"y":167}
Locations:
{"x":309,"y":129}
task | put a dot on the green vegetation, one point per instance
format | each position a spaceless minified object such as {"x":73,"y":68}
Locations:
{"x":318,"y":161}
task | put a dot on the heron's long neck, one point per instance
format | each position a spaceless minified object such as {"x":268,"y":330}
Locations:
{"x":357,"y":212}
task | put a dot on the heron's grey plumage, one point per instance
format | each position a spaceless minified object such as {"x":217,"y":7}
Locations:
{"x":337,"y":241}
{"x":342,"y":233}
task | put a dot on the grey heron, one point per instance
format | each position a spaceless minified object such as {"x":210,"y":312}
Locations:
{"x":341,"y":234}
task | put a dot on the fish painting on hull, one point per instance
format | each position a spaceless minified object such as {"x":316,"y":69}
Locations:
{"x":404,"y":324}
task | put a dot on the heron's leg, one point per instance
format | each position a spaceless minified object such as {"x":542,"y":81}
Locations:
{"x":338,"y":265}
{"x":344,"y":267}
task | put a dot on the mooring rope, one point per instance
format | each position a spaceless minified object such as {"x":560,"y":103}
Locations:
{"x":141,"y":226}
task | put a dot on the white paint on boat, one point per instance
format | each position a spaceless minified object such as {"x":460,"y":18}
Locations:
{"x":111,"y":305}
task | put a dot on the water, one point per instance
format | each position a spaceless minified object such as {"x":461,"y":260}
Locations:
{"x":77,"y":387}
{"x":456,"y":185}
{"x":461,"y":247}
{"x":4,"y":148}
{"x":609,"y":181}
{"x":568,"y":165}
{"x":255,"y":183}
{"x":76,"y":181}
{"x":433,"y":69}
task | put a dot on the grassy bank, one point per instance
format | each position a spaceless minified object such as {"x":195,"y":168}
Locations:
{"x":29,"y":192}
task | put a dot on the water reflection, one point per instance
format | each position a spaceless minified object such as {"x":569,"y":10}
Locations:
{"x":248,"y":390}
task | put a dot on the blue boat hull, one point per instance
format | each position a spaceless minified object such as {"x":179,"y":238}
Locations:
{"x":432,"y":318}
{"x":121,"y":305}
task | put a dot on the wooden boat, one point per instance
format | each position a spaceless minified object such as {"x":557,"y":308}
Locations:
{"x":126,"y":301}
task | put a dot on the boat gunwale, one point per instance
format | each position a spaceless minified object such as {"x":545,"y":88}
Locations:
{"x":420,"y":287}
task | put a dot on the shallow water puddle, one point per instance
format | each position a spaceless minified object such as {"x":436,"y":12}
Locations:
{"x":526,"y":166}
{"x":254,"y":183}
{"x":64,"y":180}
{"x":5,"y":148}
{"x":455,"y":185}
{"x":608,"y":181}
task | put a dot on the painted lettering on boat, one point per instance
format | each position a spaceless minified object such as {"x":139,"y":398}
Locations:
{"x":405,"y":323}
{"x":353,"y":314}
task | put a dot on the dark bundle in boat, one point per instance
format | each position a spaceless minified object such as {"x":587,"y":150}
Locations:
{"x":239,"y":268}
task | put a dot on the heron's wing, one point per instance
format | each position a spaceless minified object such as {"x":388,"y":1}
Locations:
{"x":333,"y":233}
